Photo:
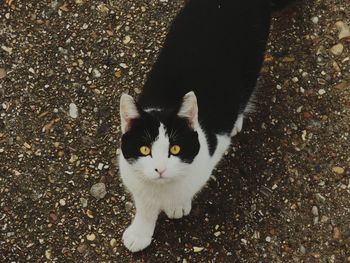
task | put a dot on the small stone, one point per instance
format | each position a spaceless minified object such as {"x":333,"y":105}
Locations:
{"x":118,"y":73}
{"x":324,"y":219}
{"x":344,"y":29}
{"x":91,"y":237}
{"x":314,"y":210}
{"x":96,"y":73}
{"x":100,"y":166}
{"x":83,"y":202}
{"x":295,"y":79}
{"x":336,"y":233}
{"x":268,"y":239}
{"x":26,"y":145}
{"x":126,"y":40}
{"x":302,"y":249}
{"x":62,"y":202}
{"x":197,"y":249}
{"x":337,"y":49}
{"x":7,"y":49}
{"x":321,"y":91}
{"x":82,"y":248}
{"x":218,"y":233}
{"x":98,"y":191}
{"x":128,"y":206}
{"x":123,"y":65}
{"x":3,"y":73}
{"x":113,"y":242}
{"x":315,"y":20}
{"x":338,"y":170}
{"x":89,"y":213}
{"x":48,"y":253}
{"x":320,"y":197}
{"x":73,"y":111}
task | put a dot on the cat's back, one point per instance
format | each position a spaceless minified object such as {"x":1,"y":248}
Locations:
{"x":214,"y":48}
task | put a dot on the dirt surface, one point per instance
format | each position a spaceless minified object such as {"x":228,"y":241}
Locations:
{"x":281,"y":194}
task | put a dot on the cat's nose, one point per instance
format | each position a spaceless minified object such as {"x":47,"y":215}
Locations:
{"x":160,"y":171}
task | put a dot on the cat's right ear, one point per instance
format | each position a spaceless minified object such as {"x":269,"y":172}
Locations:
{"x":128,"y":112}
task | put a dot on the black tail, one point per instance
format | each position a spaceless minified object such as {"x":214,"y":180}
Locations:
{"x":280,"y":4}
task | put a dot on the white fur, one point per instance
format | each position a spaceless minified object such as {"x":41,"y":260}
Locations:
{"x":173,"y":193}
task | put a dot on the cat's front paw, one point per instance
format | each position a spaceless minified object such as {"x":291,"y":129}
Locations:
{"x":135,"y":241}
{"x":178,"y":210}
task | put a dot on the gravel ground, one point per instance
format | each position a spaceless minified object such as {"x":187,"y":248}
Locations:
{"x":281,"y":194}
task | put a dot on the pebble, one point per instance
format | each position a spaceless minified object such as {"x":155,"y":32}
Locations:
{"x":302,"y":249}
{"x":91,"y":237}
{"x":128,"y":206}
{"x":197,"y":249}
{"x":336,"y":233}
{"x":118,"y":73}
{"x":324,"y":219}
{"x":218,"y":233}
{"x":83,"y":202}
{"x":27,"y":146}
{"x":113,"y":242}
{"x":7,"y":49}
{"x":100,"y":166}
{"x":344,"y":29}
{"x":268,"y":239}
{"x":320,"y":197}
{"x":62,"y":202}
{"x":338,"y":170}
{"x":321,"y":91}
{"x":314,"y":210}
{"x":337,"y":49}
{"x":295,"y":79}
{"x":73,"y":111}
{"x":98,"y":190}
{"x":96,"y":73}
{"x":48,"y":253}
{"x":126,"y":40}
{"x":82,"y":248}
{"x":315,"y":20}
{"x":3,"y":73}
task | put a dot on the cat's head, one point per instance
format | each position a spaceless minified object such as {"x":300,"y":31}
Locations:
{"x":159,"y":145}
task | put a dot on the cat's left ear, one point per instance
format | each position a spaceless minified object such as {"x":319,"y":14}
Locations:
{"x":128,"y":112}
{"x":189,"y":109}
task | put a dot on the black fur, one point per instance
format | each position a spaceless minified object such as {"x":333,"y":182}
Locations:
{"x":145,"y":130}
{"x":214,"y":48}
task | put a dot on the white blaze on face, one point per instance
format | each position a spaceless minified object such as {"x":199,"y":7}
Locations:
{"x":160,"y":151}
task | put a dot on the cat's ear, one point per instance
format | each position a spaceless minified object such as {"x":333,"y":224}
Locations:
{"x":189,"y":109}
{"x":128,"y":112}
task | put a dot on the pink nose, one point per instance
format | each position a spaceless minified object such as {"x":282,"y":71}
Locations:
{"x":160,"y":171}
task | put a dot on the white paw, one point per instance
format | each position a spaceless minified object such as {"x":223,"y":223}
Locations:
{"x":135,"y":241}
{"x":178,"y":210}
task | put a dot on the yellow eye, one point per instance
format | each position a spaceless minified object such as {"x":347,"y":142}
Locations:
{"x":144,"y":150}
{"x":175,"y":149}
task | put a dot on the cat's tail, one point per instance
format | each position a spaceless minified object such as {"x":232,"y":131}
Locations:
{"x":280,"y":4}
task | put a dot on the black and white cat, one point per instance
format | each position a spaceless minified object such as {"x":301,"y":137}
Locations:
{"x":194,"y":100}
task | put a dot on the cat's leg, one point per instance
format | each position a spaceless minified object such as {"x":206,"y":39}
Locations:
{"x":178,"y":209}
{"x":139,"y":234}
{"x":238,"y":125}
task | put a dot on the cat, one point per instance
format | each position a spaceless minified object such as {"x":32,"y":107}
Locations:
{"x":194,"y":100}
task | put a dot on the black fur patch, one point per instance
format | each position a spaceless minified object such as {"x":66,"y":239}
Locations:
{"x":216,"y":49}
{"x":145,"y":130}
